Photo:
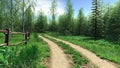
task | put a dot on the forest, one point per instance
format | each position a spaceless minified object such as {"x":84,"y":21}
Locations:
{"x":77,"y":37}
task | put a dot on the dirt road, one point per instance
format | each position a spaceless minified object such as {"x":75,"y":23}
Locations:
{"x":58,"y":58}
{"x":100,"y":63}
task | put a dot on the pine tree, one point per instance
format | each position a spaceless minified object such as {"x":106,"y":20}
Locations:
{"x":62,"y":28}
{"x":113,"y":31}
{"x":41,"y":23}
{"x":69,"y":18}
{"x":28,"y":20}
{"x":96,"y":23}
{"x":66,"y":25}
{"x":80,"y":22}
{"x":106,"y":17}
{"x":53,"y":25}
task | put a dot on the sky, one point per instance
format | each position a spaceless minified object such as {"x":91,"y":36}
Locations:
{"x":45,"y":5}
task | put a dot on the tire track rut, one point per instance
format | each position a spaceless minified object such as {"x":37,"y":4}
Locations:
{"x":100,"y":63}
{"x":58,"y":58}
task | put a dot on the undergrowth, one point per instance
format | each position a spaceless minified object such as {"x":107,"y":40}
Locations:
{"x":25,"y":56}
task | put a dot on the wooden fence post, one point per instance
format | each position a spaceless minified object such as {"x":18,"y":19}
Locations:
{"x":7,"y":36}
{"x":26,"y":40}
{"x":28,"y":36}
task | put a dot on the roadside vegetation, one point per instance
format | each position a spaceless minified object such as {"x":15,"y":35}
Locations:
{"x":104,"y":49}
{"x":98,"y":31}
{"x":31,"y":55}
{"x":2,"y":38}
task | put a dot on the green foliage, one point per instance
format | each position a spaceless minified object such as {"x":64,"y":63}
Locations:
{"x":66,"y":25}
{"x":80,"y":26}
{"x":16,"y":38}
{"x":41,"y":24}
{"x":63,"y":26}
{"x":53,"y":23}
{"x":101,"y":23}
{"x":11,"y":12}
{"x":25,"y":56}
{"x":1,"y":23}
{"x":113,"y":30}
{"x":2,"y":37}
{"x":96,"y":21}
{"x":3,"y":57}
{"x":28,"y":20}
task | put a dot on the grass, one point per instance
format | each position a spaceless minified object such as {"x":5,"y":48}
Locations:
{"x":16,"y":38}
{"x":13,"y":38}
{"x":78,"y":59}
{"x":31,"y":55}
{"x":102,"y":48}
{"x":2,"y":38}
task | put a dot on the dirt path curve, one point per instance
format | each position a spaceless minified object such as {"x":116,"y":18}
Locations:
{"x":58,"y":58}
{"x":100,"y":63}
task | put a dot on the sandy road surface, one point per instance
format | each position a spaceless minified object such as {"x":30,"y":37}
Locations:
{"x":58,"y":58}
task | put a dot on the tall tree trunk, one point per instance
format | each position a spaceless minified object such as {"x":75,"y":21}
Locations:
{"x":11,"y":16}
{"x":23,"y":24}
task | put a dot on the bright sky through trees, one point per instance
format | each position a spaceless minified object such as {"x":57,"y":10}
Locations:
{"x":44,"y":5}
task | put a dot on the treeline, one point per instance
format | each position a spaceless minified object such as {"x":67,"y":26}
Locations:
{"x":17,"y":15}
{"x":102,"y":23}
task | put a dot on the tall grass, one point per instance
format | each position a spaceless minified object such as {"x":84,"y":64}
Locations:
{"x":15,"y":38}
{"x":2,"y":38}
{"x":25,"y":56}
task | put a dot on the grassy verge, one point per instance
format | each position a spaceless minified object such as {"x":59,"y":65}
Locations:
{"x":16,"y":38}
{"x":78,"y":59}
{"x":31,"y":55}
{"x":102,"y":48}
{"x":2,"y":38}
